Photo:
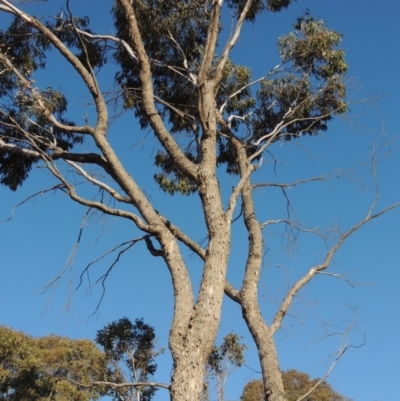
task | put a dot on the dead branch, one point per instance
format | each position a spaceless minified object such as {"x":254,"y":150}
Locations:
{"x":343,"y":277}
{"x":104,"y":277}
{"x":323,"y":266}
{"x":33,"y":196}
{"x":119,"y":385}
{"x":94,"y":204}
{"x":109,"y":252}
{"x":237,"y":190}
{"x":341,"y":352}
{"x":326,"y":177}
{"x":100,"y":184}
{"x":71,"y":257}
{"x":343,"y":347}
{"x":318,"y":269}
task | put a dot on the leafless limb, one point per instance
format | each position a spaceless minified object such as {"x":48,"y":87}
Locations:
{"x":343,"y":277}
{"x":286,"y":303}
{"x":293,"y":228}
{"x":110,"y":251}
{"x":33,"y":196}
{"x":90,"y":203}
{"x":102,"y":279}
{"x":343,"y":347}
{"x":119,"y":385}
{"x":100,"y":184}
{"x":341,"y":352}
{"x":323,"y":266}
{"x":191,"y":76}
{"x":326,"y":177}
{"x":120,"y":42}
{"x":285,"y":122}
{"x":71,"y":257}
{"x":39,"y":102}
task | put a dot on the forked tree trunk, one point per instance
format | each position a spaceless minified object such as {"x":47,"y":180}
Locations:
{"x":191,"y":342}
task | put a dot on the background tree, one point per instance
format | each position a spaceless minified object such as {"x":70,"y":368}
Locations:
{"x":221,"y":361}
{"x":210,"y":117}
{"x":37,"y":369}
{"x":297,"y":385}
{"x":130,"y":352}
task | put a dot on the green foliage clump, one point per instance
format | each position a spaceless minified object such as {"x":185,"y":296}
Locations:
{"x":36,"y":369}
{"x":298,"y":97}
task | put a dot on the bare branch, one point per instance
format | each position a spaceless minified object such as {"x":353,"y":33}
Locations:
{"x":119,"y":385}
{"x":9,"y":147}
{"x":191,"y":76}
{"x":102,"y":279}
{"x":318,"y":268}
{"x":343,"y":277}
{"x":285,"y":122}
{"x":120,"y":42}
{"x":94,"y":204}
{"x":341,"y":353}
{"x":344,"y":347}
{"x":33,"y":196}
{"x":326,"y":177}
{"x":104,"y":255}
{"x":100,"y":184}
{"x":132,"y":55}
{"x":71,"y":257}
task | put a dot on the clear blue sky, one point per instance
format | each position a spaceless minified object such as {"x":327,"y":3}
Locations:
{"x":36,"y":242}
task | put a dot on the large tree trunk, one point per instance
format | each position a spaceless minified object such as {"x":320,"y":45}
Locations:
{"x":191,"y":344}
{"x":190,"y":347}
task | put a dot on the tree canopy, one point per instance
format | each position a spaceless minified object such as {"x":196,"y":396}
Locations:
{"x":130,"y":352}
{"x":297,"y":385}
{"x":37,"y":369}
{"x":297,"y":97}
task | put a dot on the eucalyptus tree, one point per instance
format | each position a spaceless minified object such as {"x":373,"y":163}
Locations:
{"x":220,"y":363}
{"x":209,"y":116}
{"x":130,"y":353}
{"x":44,"y":368}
